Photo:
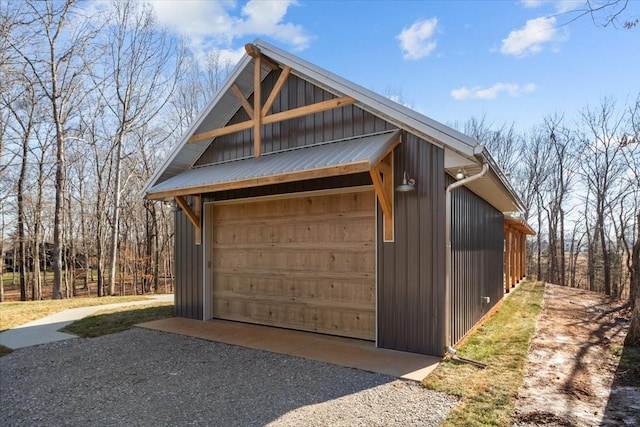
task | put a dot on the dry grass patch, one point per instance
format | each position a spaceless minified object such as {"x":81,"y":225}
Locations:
{"x":13,"y":314}
{"x":119,"y":319}
{"x":502,"y":344}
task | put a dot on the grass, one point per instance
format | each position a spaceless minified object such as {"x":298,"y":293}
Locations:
{"x":487,"y":396}
{"x":13,"y":314}
{"x":4,"y":350}
{"x":118,"y":320}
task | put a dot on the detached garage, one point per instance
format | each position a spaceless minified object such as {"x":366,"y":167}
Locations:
{"x":310,"y":203}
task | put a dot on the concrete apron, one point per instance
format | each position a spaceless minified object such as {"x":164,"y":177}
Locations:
{"x":348,"y":352}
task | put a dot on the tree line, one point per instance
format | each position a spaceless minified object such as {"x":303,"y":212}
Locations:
{"x":92,"y":98}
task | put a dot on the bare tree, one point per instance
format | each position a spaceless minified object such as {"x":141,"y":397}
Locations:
{"x":140,"y":83}
{"x":604,"y":13}
{"x":59,"y":36}
{"x":601,"y":167}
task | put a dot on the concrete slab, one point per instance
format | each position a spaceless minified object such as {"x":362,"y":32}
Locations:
{"x":348,"y":352}
{"x":45,"y":330}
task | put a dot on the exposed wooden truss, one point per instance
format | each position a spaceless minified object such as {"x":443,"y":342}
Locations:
{"x":382,"y":177}
{"x":194,"y":216}
{"x":260,"y":114}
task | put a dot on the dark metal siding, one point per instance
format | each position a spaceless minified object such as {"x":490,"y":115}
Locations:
{"x":329,"y":125}
{"x":294,"y":187}
{"x":477,"y":259}
{"x":411,"y":269}
{"x":188,"y":269}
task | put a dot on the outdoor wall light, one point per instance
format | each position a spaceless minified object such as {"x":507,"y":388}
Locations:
{"x":461,"y":174}
{"x":408,"y":184}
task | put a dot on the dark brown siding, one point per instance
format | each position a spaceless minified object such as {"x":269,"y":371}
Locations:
{"x":411,"y":269}
{"x":329,"y":125}
{"x":294,"y":187}
{"x":188,"y":269}
{"x":477,"y":259}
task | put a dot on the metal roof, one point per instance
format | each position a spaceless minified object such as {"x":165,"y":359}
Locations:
{"x":225,"y":105}
{"x":352,"y":155}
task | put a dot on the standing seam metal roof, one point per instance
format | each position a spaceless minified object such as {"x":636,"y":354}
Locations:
{"x":364,"y":149}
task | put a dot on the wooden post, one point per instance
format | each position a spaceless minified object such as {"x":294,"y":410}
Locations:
{"x":507,"y":259}
{"x":257,"y":117}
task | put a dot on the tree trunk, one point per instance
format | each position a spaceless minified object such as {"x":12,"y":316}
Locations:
{"x":115,"y":221}
{"x":57,"y":216}
{"x":633,"y":336}
{"x":22,"y":262}
{"x":563,"y":266}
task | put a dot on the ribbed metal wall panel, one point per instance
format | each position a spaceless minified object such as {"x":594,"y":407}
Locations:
{"x":411,"y":268}
{"x":345,"y":181}
{"x":188,"y":269}
{"x":477,"y":259}
{"x":329,"y":125}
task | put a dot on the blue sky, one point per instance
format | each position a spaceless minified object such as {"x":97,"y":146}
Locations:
{"x":510,"y":61}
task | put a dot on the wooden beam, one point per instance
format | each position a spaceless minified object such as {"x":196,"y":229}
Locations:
{"x":309,"y":109}
{"x":388,"y":188}
{"x":257,"y":83}
{"x":237,"y":127}
{"x":187,"y":210}
{"x":507,"y":259}
{"x":276,"y":90}
{"x":326,"y":171}
{"x":254,"y":52}
{"x":384,"y":198}
{"x":245,"y":104}
{"x":198,"y":213}
{"x":277,"y":117}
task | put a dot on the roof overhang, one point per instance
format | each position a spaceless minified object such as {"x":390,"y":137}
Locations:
{"x":518,"y":223}
{"x":342,"y":157}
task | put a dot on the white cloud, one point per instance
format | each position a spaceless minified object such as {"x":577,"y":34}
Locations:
{"x":530,"y":39}
{"x":560,"y":6}
{"x":416,"y":41}
{"x":532,"y":4}
{"x":477,"y":92}
{"x":215,"y":24}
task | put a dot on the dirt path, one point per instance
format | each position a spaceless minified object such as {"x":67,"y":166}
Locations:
{"x":569,"y":379}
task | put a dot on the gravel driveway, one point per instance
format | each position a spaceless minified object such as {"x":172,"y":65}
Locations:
{"x":148,"y":378}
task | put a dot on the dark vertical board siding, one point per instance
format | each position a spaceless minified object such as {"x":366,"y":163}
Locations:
{"x":325,"y":126}
{"x":411,"y":268}
{"x":188,"y":270}
{"x":477,"y":244}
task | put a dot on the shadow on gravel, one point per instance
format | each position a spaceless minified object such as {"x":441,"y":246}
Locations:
{"x":623,"y":406}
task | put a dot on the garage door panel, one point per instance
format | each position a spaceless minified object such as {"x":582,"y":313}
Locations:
{"x":322,"y":291}
{"x":304,"y":263}
{"x":307,"y":260}
{"x":346,"y":203}
{"x":331,"y":320}
{"x":338,"y":229}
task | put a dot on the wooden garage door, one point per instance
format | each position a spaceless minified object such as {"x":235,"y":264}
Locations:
{"x":304,"y":263}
